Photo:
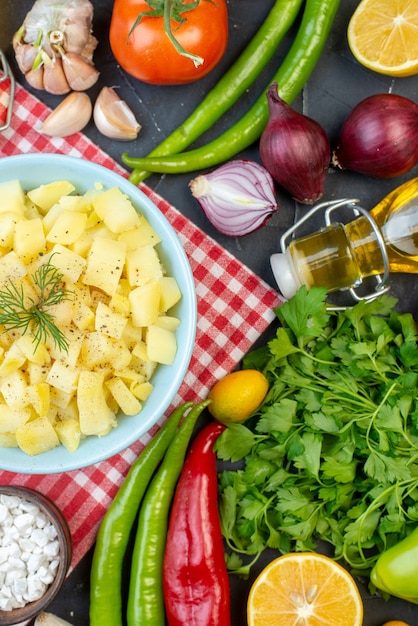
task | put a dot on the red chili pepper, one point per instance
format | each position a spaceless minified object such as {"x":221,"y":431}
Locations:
{"x":195,"y":578}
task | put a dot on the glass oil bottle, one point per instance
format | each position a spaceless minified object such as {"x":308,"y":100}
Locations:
{"x":340,"y":256}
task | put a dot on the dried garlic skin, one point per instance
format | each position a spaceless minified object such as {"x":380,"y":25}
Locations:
{"x":51,"y":30}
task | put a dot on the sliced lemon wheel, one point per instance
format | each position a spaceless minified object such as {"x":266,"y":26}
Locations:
{"x":304,"y":589}
{"x":383,"y":36}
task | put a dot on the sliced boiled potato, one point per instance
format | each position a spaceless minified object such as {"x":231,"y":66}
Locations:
{"x":45,"y":196}
{"x":68,"y":227}
{"x":170,"y":292}
{"x":145,"y":303}
{"x":94,"y":414}
{"x":161,"y":345}
{"x":115,"y":314}
{"x":116,"y":210}
{"x":12,"y":198}
{"x":105,"y":262}
{"x":69,"y":433}
{"x":29,"y":239}
{"x":37,"y":436}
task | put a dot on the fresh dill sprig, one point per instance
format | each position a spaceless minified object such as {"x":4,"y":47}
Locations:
{"x":18,"y":310}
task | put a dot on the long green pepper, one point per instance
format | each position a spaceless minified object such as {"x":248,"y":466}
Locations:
{"x":317,"y":20}
{"x":145,"y":596}
{"x":114,"y":531}
{"x":236,"y":80}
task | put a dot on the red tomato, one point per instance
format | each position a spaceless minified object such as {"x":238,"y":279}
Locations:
{"x":149,"y":55}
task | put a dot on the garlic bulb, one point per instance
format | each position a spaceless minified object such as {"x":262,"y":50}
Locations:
{"x":54,"y":46}
{"x":237,"y":198}
{"x":113,"y":117}
{"x":49,"y":619}
{"x":70,"y":116}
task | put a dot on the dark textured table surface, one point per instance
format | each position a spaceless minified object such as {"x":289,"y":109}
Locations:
{"x":336,"y":85}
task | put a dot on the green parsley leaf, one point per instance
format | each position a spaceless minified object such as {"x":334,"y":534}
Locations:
{"x":311,"y":457}
{"x":278,"y":417}
{"x":235,"y":442}
{"x":305,"y":314}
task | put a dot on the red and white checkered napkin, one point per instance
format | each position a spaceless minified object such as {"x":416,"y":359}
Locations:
{"x":234,"y":308}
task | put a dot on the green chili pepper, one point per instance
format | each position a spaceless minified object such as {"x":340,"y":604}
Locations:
{"x":236,"y":80}
{"x":145,"y":596}
{"x":114,"y":531}
{"x":395,"y":571}
{"x":292,"y":75}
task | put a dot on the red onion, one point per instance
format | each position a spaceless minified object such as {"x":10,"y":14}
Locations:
{"x":295,"y":149}
{"x":379,"y":137}
{"x":237,"y":198}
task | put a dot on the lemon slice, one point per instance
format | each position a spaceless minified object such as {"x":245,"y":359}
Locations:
{"x":383,"y":36}
{"x":304,"y":589}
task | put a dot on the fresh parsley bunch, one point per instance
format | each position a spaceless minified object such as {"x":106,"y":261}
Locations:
{"x":332,"y":453}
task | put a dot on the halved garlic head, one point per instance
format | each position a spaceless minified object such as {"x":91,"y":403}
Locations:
{"x":113,"y":117}
{"x":70,"y":116}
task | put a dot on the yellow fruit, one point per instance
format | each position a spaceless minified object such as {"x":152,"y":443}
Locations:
{"x":383,"y":36}
{"x":306,"y":589}
{"x":237,"y":395}
{"x":395,"y":622}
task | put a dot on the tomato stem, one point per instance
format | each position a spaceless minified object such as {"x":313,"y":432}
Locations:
{"x":171,"y":10}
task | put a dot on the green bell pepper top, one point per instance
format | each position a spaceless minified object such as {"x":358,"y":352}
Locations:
{"x":396,"y":570}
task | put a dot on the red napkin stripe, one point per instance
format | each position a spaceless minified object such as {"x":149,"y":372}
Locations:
{"x":234,"y":308}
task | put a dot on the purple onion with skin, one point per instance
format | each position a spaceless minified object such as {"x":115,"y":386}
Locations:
{"x":379,"y":138}
{"x":237,"y":198}
{"x":295,"y":149}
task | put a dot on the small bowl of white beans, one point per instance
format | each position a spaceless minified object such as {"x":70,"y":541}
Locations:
{"x":35,"y":553}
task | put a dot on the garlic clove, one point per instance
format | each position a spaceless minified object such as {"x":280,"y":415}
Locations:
{"x":49,"y":619}
{"x":25,"y":54}
{"x":113,"y":117}
{"x":35,"y":78}
{"x":80,"y":74}
{"x":55,"y":81}
{"x":70,"y":116}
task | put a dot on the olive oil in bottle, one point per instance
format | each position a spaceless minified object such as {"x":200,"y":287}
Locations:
{"x":340,"y":256}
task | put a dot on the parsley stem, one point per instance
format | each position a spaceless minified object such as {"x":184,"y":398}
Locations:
{"x":372,"y":421}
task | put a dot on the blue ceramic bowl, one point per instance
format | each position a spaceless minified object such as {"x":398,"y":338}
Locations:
{"x":33,"y":170}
